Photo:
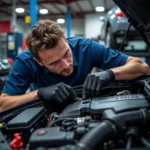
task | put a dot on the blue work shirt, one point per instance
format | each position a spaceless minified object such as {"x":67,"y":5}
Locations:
{"x":86,"y":55}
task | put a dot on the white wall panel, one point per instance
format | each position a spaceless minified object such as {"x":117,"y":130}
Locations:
{"x":92,"y":25}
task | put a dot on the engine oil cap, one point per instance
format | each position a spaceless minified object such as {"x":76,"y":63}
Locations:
{"x":41,"y":132}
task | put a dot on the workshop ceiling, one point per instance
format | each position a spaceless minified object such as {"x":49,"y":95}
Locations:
{"x":56,"y":8}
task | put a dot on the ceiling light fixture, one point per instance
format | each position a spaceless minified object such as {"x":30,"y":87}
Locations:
{"x":43,"y":11}
{"x":20,"y":10}
{"x":100,"y":9}
{"x":60,"y":21}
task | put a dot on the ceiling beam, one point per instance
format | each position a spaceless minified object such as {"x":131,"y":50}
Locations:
{"x":71,"y":1}
{"x":61,"y":12}
{"x":105,"y":4}
{"x":4,"y":4}
{"x":66,"y":2}
{"x":58,"y":8}
{"x":78,"y":5}
{"x":79,"y":15}
{"x":5,"y":12}
{"x":92,"y":5}
{"x":68,"y":6}
{"x":42,"y":2}
{"x":41,"y":6}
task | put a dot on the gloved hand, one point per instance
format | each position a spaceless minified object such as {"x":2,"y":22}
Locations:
{"x":95,"y":81}
{"x":57,"y":96}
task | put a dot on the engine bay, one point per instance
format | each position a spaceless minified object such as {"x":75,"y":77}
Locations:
{"x":118,"y":118}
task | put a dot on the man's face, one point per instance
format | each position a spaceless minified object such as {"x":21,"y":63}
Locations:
{"x":58,"y":59}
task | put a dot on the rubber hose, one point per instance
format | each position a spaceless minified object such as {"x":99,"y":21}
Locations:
{"x":97,"y":136}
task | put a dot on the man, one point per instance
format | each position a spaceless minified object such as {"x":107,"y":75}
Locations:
{"x":54,"y":64}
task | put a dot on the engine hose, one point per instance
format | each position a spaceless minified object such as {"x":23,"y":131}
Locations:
{"x":145,"y":142}
{"x":129,"y":143}
{"x":58,"y":120}
{"x":97,"y":136}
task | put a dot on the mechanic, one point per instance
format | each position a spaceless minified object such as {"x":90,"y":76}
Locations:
{"x":53,"y":64}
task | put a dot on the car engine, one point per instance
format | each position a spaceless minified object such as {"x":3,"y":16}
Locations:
{"x":119,"y":118}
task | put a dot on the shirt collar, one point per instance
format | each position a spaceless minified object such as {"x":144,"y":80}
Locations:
{"x":75,"y":64}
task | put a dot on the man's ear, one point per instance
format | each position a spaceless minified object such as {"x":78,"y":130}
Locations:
{"x":38,"y":61}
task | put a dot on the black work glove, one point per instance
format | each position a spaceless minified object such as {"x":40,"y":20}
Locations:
{"x":95,"y":81}
{"x":57,"y":96}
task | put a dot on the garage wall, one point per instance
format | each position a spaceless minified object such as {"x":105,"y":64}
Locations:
{"x":93,"y":25}
{"x":77,"y":26}
{"x":21,"y":27}
{"x":89,"y":26}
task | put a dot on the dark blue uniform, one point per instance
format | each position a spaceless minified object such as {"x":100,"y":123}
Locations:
{"x":86,"y":55}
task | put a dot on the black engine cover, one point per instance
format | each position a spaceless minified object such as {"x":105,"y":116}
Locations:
{"x":97,"y":105}
{"x":51,"y":137}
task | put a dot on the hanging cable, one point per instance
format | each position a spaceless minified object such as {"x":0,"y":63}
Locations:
{"x":131,"y":135}
{"x":145,"y":142}
{"x":59,"y":120}
{"x":129,"y":143}
{"x":125,"y":36}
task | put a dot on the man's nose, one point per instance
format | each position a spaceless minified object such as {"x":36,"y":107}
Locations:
{"x":65,"y":63}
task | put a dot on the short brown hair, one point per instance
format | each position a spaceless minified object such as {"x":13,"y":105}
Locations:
{"x":45,"y":34}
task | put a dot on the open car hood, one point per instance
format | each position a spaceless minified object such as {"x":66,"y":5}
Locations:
{"x":138,"y":13}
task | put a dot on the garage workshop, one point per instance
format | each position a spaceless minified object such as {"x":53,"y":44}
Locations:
{"x":74,"y":75}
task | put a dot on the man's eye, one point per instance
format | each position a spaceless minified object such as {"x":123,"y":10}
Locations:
{"x":54,"y":63}
{"x":66,"y":54}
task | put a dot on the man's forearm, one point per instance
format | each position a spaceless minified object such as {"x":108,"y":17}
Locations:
{"x":131,"y":70}
{"x":7,"y":101}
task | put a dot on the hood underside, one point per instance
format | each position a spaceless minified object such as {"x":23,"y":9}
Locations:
{"x":138,"y":14}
